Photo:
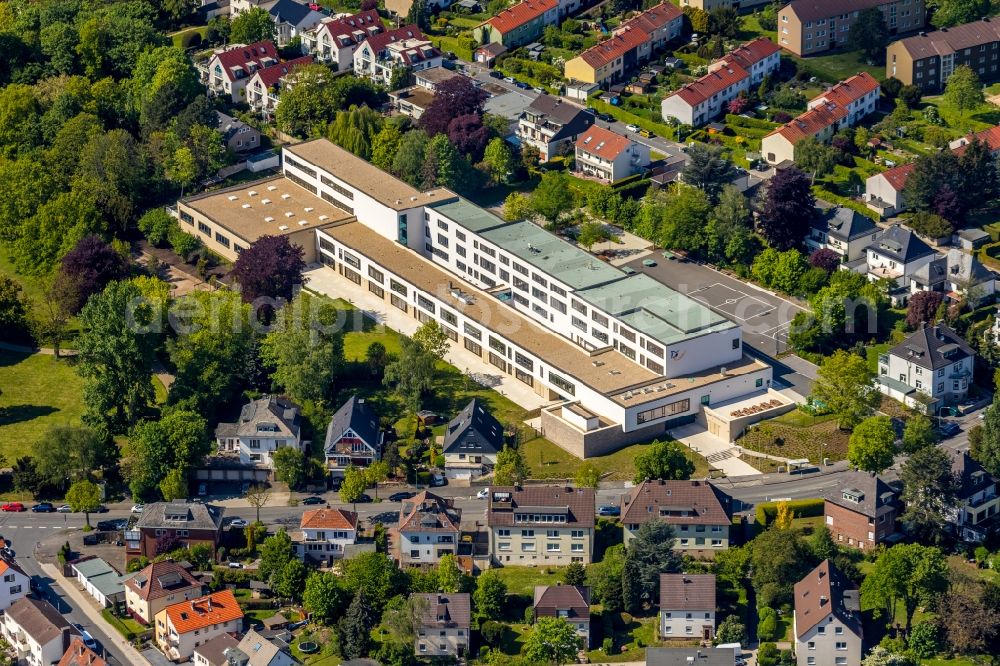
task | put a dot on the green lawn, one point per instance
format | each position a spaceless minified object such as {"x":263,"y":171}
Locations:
{"x":630,"y":640}
{"x":522,"y":580}
{"x":38,"y":392}
{"x":30,"y":286}
{"x":548,"y":461}
{"x":982,"y":118}
{"x":839,"y":66}
{"x":872,"y":353}
{"x":178,"y":38}
{"x":798,"y":435}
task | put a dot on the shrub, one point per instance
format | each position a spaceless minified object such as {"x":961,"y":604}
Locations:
{"x":804,"y":508}
{"x":925,"y":640}
{"x":930,"y":225}
{"x":492,"y":632}
{"x":767,"y":625}
{"x":768,"y":655}
{"x":608,"y":645}
{"x":529,"y":615}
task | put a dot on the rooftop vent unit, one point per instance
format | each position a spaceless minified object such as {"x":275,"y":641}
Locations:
{"x":283,"y":227}
{"x":265,"y":201}
{"x":232,"y":197}
{"x":246,"y":205}
{"x":289,"y":214}
{"x":272,"y":188}
{"x":309,"y":209}
{"x":269,"y":219}
{"x":252,"y":193}
{"x":286,"y":196}
{"x":323,"y":217}
{"x":303,"y":223}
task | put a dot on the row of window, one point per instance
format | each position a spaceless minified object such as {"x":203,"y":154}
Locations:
{"x":529,"y":547}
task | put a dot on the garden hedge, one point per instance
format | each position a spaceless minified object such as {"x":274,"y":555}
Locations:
{"x":805,"y":508}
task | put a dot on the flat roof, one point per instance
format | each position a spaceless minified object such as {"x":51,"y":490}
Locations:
{"x":469,"y":215}
{"x":265,"y":206}
{"x":557,"y":258}
{"x":655,"y":309}
{"x":606,"y":372}
{"x":363,"y":175}
{"x":662,"y":387}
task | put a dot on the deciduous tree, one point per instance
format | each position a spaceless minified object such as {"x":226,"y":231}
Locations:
{"x":84,"y":496}
{"x":588,"y":475}
{"x":788,"y":209}
{"x":67,"y":453}
{"x":907,"y":576}
{"x":869,"y":34}
{"x":929,"y":489}
{"x":323,"y":597}
{"x":289,"y":466}
{"x":871,"y":447}
{"x":987,"y":446}
{"x":457,"y":96}
{"x":271,"y":267}
{"x":816,"y":157}
{"x":252,"y":25}
{"x":963,"y":90}
{"x":651,"y":553}
{"x":275,"y":551}
{"x":90,"y":266}
{"x":511,"y":468}
{"x":918,"y":433}
{"x":708,"y":170}
{"x":552,"y":197}
{"x":490,"y":596}
{"x":499,"y":161}
{"x":844,"y":385}
{"x":663,"y":460}
{"x":411,"y":374}
{"x":922,"y":308}
{"x":552,"y":641}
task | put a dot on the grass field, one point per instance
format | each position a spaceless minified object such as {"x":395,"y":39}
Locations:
{"x":522,"y":580}
{"x":38,"y":392}
{"x":799,"y":435}
{"x":548,"y":461}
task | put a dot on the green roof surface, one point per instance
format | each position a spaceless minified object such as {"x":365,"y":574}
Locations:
{"x":469,"y":215}
{"x":561,"y":260}
{"x":101,"y":575}
{"x":655,"y":309}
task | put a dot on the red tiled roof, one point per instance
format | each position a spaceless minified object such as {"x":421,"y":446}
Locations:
{"x":244,"y":56}
{"x":160,"y":579}
{"x":811,"y":123}
{"x":990,"y":137}
{"x":347,"y":25}
{"x":896,"y":176}
{"x":852,"y":89}
{"x":654,"y":18}
{"x":824,"y":591}
{"x":516,"y":16}
{"x":217,"y":608}
{"x":419,"y":53}
{"x":751,"y":53}
{"x":712,"y":83}
{"x":381,"y":40}
{"x":271,"y":75}
{"x":602,"y":142}
{"x":79,"y":654}
{"x":631,"y":34}
{"x":330,"y":519}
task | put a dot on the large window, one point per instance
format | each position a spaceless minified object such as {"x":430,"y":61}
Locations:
{"x":397,"y":287}
{"x":298,"y":165}
{"x":579,"y":307}
{"x":678,"y":407}
{"x":524,"y":376}
{"x":425,"y":303}
{"x":472,"y":331}
{"x":473,"y":347}
{"x":498,"y":361}
{"x":497,"y":345}
{"x":399,"y":302}
{"x":377,"y":290}
{"x":336,"y":188}
{"x":352,"y":260}
{"x":301,"y":182}
{"x":449,"y":317}
{"x":353,"y":276}
{"x":561,"y":383}
{"x":523,"y":361}
{"x":376,"y":274}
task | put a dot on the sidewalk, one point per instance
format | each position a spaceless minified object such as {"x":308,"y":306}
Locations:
{"x":86,"y":605}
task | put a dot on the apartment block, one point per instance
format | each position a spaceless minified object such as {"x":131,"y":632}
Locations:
{"x":705,"y":98}
{"x":184,"y":626}
{"x":552,"y":125}
{"x":809,"y":27}
{"x":607,"y":156}
{"x":931,"y":368}
{"x":428,"y":529}
{"x":977,"y":503}
{"x":379,"y":55}
{"x":841,"y":106}
{"x":699,"y":512}
{"x":928,"y":59}
{"x":228,"y":71}
{"x":519,"y":24}
{"x":263,"y":91}
{"x":541,"y":525}
{"x":709,"y":5}
{"x":621,"y":358}
{"x":827,"y":619}
{"x":861,"y":512}
{"x":632,"y":44}
{"x":333,"y":41}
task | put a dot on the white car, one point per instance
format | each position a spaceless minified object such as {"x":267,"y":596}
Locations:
{"x":235,"y":565}
{"x":238,"y":522}
{"x":138,"y":508}
{"x":65,"y":508}
{"x":632,"y":128}
{"x":483,"y":494}
{"x":85,"y":636}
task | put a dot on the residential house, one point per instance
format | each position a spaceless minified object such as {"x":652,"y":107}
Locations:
{"x":78,"y":654}
{"x":809,"y":27}
{"x":568,"y":602}
{"x":967,"y":277}
{"x":16,"y":584}
{"x":631,"y":45}
{"x":381,"y":54}
{"x":413,"y":100}
{"x":237,"y":7}
{"x":700,"y":513}
{"x":928,"y":59}
{"x":610,"y":157}
{"x":929,"y":369}
{"x":976,"y":501}
{"x":429,"y":528}
{"x":471,"y":442}
{"x":844,"y":231}
{"x":157,"y":586}
{"x":325,"y":534}
{"x":353,"y":438}
{"x":991,"y":137}
{"x":334,"y":40}
{"x":862,"y":510}
{"x":827,"y":619}
{"x":897,"y":255}
{"x":541,"y":525}
{"x":256,"y":649}
{"x":293,"y":19}
{"x":228,"y":71}
{"x":182,"y":627}
{"x":884,"y":191}
{"x":179,"y":524}
{"x":518,"y":24}
{"x":264,"y":426}
{"x":37,"y":633}
{"x":263,"y":92}
{"x":841,"y":106}
{"x":687,"y":606}
{"x":705,"y":98}
{"x":551,"y":125}
{"x":216,"y":651}
{"x":237,"y":136}
{"x":690,"y":657}
{"x":100,"y":580}
{"x":444,"y":628}
{"x":488,"y":53}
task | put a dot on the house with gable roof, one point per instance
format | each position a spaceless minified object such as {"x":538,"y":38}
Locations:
{"x":884,"y":191}
{"x":444,"y":626}
{"x":541,"y":524}
{"x":182,"y":627}
{"x":78,"y":654}
{"x":292,"y":19}
{"x":827,"y":618}
{"x":264,"y":426}
{"x":567,"y":602}
{"x":687,"y":606}
{"x":429,"y":528}
{"x":15,"y":583}
{"x":229,"y":70}
{"x":36,"y":632}
{"x":607,"y":156}
{"x":184,"y":524}
{"x":379,"y":55}
{"x":237,"y":136}
{"x":976,"y":500}
{"x":263,"y":92}
{"x":518,"y":24}
{"x":705,"y":98}
{"x":325,"y":534}
{"x":699,"y":512}
{"x":157,"y":586}
{"x":931,"y":368}
{"x":862,"y":511}
{"x":471,"y":442}
{"x":552,"y":125}
{"x":354,"y":437}
{"x":841,"y":106}
{"x":844,"y":231}
{"x":334,"y":40}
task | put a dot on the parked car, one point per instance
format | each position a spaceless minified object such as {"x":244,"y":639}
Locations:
{"x":364,"y":498}
{"x":100,"y":509}
{"x":606,"y":117}
{"x":43,"y":507}
{"x":949,"y":428}
{"x":65,"y":508}
{"x":12,"y":506}
{"x":235,"y":565}
{"x":314,"y":500}
{"x":437,"y":480}
{"x":495,"y":74}
{"x":509,"y":79}
{"x":608,"y":510}
{"x":112,"y":525}
{"x":85,"y":636}
{"x":138,"y":508}
{"x":399,"y":497}
{"x":632,"y":128}
{"x":238,"y":522}
{"x":483,"y":494}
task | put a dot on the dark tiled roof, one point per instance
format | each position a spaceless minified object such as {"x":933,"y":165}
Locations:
{"x":871,"y":495}
{"x":550,"y":599}
{"x":901,"y":244}
{"x":953,"y":39}
{"x":689,"y":657}
{"x":180,"y":515}
{"x":214,"y":651}
{"x":447,"y":610}
{"x":972,"y":477}
{"x":810,"y":10}
{"x":474,"y":430}
{"x":554,"y":110}
{"x":40,"y":620}
{"x":356,"y":415}
{"x":683,"y":592}
{"x":703,"y":503}
{"x":429,"y":513}
{"x":845,"y":223}
{"x":577,"y":504}
{"x":933,"y":347}
{"x":826,"y":590}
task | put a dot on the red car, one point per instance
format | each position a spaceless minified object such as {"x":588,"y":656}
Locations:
{"x":12,"y":506}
